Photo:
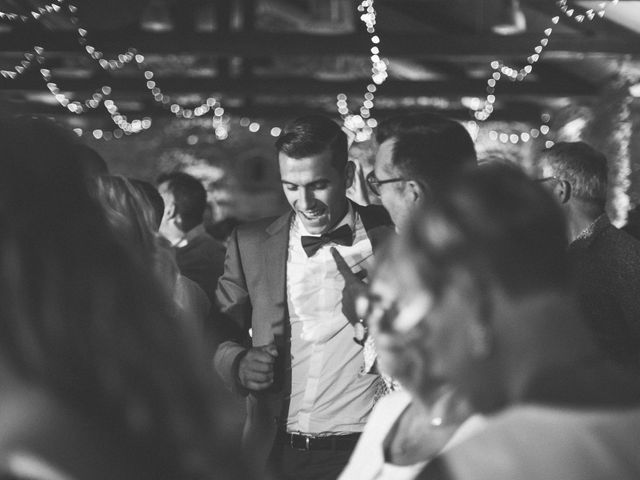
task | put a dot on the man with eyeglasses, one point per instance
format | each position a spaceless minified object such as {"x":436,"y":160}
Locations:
{"x":606,"y":260}
{"x":418,"y":153}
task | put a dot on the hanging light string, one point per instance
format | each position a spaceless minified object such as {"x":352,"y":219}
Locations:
{"x":115,"y":63}
{"x":589,"y":14}
{"x":52,"y":7}
{"x":165,"y":100}
{"x":524,"y":137}
{"x":74,"y":106}
{"x":514,"y":74}
{"x":361,"y":123}
{"x":133,"y":55}
{"x":35,"y":55}
{"x":121,"y":121}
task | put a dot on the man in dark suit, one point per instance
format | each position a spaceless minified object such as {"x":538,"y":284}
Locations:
{"x":606,"y":260}
{"x":307,"y":399}
{"x":199,"y":256}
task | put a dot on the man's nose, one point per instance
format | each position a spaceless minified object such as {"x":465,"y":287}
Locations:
{"x":305,"y":199}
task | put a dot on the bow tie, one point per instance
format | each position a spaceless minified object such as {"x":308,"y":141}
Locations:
{"x":341,"y":236}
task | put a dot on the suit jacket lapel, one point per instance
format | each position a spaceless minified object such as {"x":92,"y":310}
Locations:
{"x":276,"y":248}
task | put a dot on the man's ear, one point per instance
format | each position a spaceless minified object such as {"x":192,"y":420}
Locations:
{"x":349,"y":173}
{"x":177,"y":220}
{"x":562,"y":191}
{"x":170,"y":210}
{"x":415,"y":191}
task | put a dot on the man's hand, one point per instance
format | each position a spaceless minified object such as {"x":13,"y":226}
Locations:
{"x":255,"y":369}
{"x":353,"y":288}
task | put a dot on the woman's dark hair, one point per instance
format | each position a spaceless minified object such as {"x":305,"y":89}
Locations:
{"x":86,"y":320}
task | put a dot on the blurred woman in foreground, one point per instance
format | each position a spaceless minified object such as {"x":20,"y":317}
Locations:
{"x":485,"y":269}
{"x":97,"y":379}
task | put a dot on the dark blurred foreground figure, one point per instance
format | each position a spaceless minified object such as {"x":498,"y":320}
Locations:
{"x":97,"y":379}
{"x":91,"y":162}
{"x":484,"y":276}
{"x":200,"y":257}
{"x":606,"y":259}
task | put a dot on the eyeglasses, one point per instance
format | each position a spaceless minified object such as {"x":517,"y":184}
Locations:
{"x":374,"y":183}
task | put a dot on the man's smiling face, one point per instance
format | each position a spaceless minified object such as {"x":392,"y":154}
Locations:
{"x":315,"y":189}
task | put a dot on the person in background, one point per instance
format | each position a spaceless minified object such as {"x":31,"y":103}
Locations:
{"x":486,"y":277}
{"x":606,"y":260}
{"x":97,"y":379}
{"x":151,"y":194}
{"x":307,"y":400}
{"x":417,"y":154}
{"x":199,"y":256}
{"x":133,"y":218}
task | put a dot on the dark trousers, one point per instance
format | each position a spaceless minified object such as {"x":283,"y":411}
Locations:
{"x":290,"y":464}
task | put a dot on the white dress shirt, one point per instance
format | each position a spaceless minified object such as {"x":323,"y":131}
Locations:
{"x":329,"y":394}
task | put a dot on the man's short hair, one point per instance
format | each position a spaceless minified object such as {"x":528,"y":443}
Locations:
{"x":189,"y":196}
{"x":313,"y":135}
{"x":428,"y":147}
{"x":498,"y":225}
{"x":584,"y":167}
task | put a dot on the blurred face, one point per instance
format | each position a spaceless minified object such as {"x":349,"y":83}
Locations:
{"x":421,"y":342}
{"x":315,"y":189}
{"x":395,"y":196}
{"x":168,"y":228}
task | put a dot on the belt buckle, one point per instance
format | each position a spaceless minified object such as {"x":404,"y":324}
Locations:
{"x":307,"y":439}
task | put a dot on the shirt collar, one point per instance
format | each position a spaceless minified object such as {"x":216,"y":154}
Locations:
{"x":596,"y":227}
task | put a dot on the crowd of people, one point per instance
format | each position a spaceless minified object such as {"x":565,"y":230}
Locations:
{"x":479,"y":322}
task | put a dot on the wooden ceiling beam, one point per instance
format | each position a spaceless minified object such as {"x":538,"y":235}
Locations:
{"x":262,"y":44}
{"x":300,"y":86}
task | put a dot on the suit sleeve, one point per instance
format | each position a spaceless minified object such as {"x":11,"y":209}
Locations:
{"x":234,"y":306}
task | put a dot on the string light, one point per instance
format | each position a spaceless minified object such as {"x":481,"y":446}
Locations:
{"x":122,"y":122}
{"x":524,"y":137}
{"x":52,"y":7}
{"x":515,"y":74}
{"x":74,"y":106}
{"x":587,"y":15}
{"x":165,"y":100}
{"x":115,"y":63}
{"x":360,"y":123}
{"x":25,"y":63}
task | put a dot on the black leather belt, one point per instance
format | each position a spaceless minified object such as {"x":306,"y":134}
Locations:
{"x":303,"y":442}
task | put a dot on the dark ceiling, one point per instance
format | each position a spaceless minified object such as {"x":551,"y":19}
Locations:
{"x":278,"y":58}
